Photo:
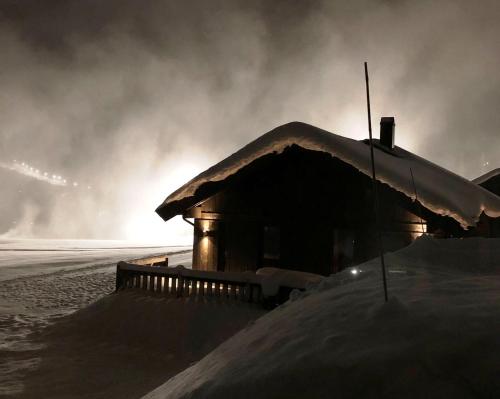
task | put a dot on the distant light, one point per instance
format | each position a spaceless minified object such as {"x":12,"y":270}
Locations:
{"x":75,"y":184}
{"x":64,"y":181}
{"x":354,"y":271}
{"x":89,"y":187}
{"x":22,"y":164}
{"x":54,"y":176}
{"x":37,"y":171}
{"x":45,"y":173}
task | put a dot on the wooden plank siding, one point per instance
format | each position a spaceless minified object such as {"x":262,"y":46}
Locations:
{"x":206,"y":244}
{"x":321,"y":206}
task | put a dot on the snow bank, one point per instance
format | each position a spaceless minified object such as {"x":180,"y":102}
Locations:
{"x":439,"y":190}
{"x":273,"y":278}
{"x":125,"y":344}
{"x":438,"y":336}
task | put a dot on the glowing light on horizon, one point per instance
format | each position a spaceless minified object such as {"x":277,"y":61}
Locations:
{"x":25,"y":169}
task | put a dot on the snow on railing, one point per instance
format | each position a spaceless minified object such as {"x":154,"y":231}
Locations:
{"x":181,"y":282}
{"x":159,"y":260}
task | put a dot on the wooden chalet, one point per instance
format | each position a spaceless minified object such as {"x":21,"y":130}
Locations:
{"x":301,"y":198}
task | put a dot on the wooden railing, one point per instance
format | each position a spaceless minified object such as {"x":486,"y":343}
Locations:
{"x":181,"y":282}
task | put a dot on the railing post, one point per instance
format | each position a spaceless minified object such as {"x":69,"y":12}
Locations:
{"x":173,"y":287}
{"x":152,"y":279}
{"x":159,"y":283}
{"x":180,"y":285}
{"x":119,"y":277}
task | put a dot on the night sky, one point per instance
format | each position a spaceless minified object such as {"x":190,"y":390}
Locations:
{"x":127,"y":100}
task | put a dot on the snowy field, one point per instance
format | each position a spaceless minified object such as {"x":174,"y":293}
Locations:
{"x":42,"y":280}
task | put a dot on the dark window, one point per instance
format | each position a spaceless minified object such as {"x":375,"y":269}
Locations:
{"x":271,"y":243}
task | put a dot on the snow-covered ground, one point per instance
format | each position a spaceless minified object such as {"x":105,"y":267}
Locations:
{"x":438,"y":336}
{"x":128,"y":343}
{"x":20,"y":258}
{"x":42,"y":280}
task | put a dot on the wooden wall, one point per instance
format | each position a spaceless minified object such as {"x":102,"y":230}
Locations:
{"x":322,"y":207}
{"x":206,"y":244}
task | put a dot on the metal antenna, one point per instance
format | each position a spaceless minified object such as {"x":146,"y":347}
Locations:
{"x":375,"y":187}
{"x":416,"y":199}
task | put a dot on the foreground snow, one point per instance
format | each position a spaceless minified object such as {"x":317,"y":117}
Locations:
{"x":42,"y":280}
{"x":438,"y":336}
{"x":124,"y":345}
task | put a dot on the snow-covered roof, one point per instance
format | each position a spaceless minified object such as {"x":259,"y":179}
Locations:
{"x":439,"y":190}
{"x":487,"y":176}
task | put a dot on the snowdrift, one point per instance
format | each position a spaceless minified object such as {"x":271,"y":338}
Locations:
{"x":438,"y":336}
{"x":125,"y":344}
{"x":273,"y":278}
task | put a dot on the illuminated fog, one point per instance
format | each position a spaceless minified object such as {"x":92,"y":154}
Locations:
{"x":131,"y":99}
